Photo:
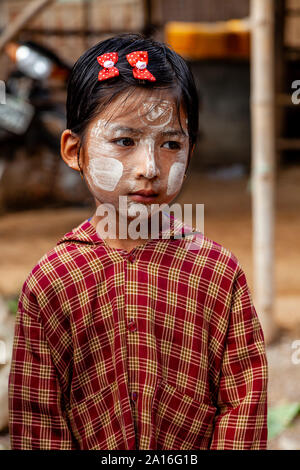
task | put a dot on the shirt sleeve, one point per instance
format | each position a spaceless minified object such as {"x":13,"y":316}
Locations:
{"x":37,"y":419}
{"x":241,"y":420}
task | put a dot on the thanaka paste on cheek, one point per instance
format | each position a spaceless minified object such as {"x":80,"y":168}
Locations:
{"x":175,"y":177}
{"x":103,"y":170}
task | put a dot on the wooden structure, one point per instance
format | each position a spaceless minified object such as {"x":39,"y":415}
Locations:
{"x":263,"y":159}
{"x":70,"y":27}
{"x":32,"y":10}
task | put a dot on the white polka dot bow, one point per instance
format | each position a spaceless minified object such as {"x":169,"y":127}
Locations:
{"x":139,"y":61}
{"x":108,"y":62}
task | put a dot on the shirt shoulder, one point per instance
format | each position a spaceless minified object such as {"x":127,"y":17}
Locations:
{"x":63,"y":262}
{"x":210,"y":254}
{"x":196,"y":247}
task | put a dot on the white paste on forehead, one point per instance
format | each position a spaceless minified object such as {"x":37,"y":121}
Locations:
{"x":175,"y":177}
{"x":105,"y":172}
{"x":156,"y":110}
{"x":97,"y":128}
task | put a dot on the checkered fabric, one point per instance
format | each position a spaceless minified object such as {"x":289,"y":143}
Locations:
{"x":159,"y":348}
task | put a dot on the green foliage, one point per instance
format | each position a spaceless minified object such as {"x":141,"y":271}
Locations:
{"x":280,"y":417}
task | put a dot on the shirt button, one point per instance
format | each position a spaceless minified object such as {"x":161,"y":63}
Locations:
{"x":131,"y":258}
{"x":132,"y":325}
{"x":134,"y":396}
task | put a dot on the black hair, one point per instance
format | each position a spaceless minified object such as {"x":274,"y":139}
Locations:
{"x":87,"y":96}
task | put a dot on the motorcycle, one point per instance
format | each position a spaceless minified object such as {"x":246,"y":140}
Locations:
{"x":32,"y":118}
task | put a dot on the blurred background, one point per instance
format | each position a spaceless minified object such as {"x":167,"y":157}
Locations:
{"x":245,"y":170}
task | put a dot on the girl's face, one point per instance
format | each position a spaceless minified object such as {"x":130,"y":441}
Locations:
{"x":137,"y":145}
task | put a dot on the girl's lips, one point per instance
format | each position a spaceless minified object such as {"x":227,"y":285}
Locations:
{"x":144,"y":196}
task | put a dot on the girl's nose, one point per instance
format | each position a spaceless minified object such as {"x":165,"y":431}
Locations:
{"x":147,"y":164}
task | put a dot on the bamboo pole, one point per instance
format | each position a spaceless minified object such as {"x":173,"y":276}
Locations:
{"x":263,"y":160}
{"x":12,"y":29}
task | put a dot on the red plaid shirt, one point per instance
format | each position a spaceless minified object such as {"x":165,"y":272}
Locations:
{"x":159,"y":348}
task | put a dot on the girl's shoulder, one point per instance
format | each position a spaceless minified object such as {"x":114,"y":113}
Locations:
{"x":201,"y":249}
{"x":61,"y":263}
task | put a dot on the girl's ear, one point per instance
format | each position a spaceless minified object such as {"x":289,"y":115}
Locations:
{"x":69,"y":146}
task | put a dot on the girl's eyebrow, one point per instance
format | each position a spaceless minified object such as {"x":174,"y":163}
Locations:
{"x":173,"y":133}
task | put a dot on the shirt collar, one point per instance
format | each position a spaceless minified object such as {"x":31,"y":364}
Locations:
{"x":87,"y":234}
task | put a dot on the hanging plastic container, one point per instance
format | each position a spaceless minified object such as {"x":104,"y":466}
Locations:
{"x":218,"y":40}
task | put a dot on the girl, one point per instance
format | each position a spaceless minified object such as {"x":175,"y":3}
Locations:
{"x":123,"y":343}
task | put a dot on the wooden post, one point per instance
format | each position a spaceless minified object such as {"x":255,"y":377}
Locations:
{"x":263,"y":160}
{"x":86,"y":5}
{"x":12,"y":29}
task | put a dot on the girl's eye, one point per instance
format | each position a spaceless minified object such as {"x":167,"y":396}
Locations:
{"x":172,"y":145}
{"x":125,"y":142}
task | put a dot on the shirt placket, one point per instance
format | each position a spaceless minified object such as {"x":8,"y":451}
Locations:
{"x":132,"y":338}
{"x":140,"y":386}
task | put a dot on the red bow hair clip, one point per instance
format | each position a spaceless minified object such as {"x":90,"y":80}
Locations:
{"x":139,"y":61}
{"x":108,"y":62}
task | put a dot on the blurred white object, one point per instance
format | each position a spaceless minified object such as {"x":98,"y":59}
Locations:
{"x":288,"y":443}
{"x":32,"y":63}
{"x":6,"y":338}
{"x":16,"y":115}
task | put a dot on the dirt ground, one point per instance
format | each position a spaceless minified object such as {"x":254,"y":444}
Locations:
{"x":26,"y":236}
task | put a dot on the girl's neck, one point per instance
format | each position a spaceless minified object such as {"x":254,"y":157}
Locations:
{"x":126,"y":244}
